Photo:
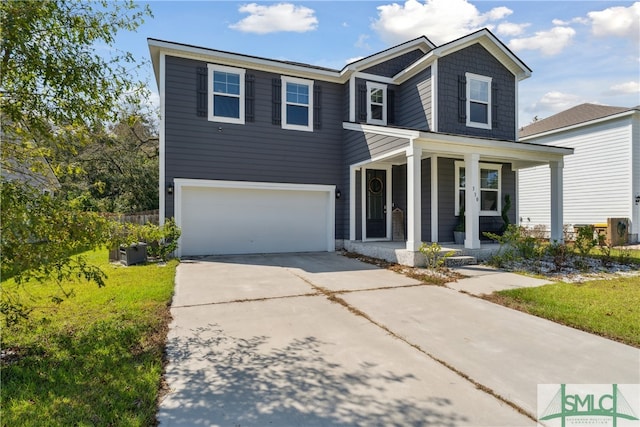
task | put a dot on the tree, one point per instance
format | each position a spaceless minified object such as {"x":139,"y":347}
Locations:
{"x":119,"y":168}
{"x":55,"y":88}
{"x":56,"y":95}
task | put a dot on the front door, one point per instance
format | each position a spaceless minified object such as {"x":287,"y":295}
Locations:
{"x":376,"y":203}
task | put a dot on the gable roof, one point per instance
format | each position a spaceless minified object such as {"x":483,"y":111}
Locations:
{"x":578,"y":115}
{"x":484,"y":37}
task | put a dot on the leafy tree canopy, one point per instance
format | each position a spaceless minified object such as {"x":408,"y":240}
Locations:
{"x":55,"y":87}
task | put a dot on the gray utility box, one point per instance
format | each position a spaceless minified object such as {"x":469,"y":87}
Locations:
{"x":129,"y":255}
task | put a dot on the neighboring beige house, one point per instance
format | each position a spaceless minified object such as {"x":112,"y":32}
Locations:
{"x":601,"y":179}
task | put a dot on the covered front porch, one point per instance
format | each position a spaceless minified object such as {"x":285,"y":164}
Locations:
{"x":440,"y":182}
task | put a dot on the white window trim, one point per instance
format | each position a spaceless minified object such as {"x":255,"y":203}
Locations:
{"x":285,"y":125}
{"x":370,"y":120}
{"x":491,"y":166}
{"x":469,"y":77}
{"x":211,"y":114}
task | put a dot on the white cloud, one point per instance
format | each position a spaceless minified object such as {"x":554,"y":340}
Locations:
{"x":561,"y":23}
{"x":617,"y":21}
{"x":511,"y":29}
{"x":555,"y":102}
{"x":440,"y":20}
{"x":361,"y":43}
{"x":627,"y":88}
{"x":276,"y":18}
{"x":549,"y":43}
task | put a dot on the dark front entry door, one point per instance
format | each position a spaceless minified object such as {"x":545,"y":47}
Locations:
{"x":376,"y":203}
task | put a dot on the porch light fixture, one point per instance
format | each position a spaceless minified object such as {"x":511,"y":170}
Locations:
{"x":339,"y":194}
{"x":170,"y":189}
{"x":638,"y":199}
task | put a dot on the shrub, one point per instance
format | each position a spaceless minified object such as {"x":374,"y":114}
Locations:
{"x":585,"y":240}
{"x":560,"y":253}
{"x":433,"y":257}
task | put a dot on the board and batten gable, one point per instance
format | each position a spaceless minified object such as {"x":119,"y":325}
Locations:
{"x":477,"y":60}
{"x":258,"y":151}
{"x":597,"y":177}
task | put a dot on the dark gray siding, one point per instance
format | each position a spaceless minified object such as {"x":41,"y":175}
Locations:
{"x":475,"y":59}
{"x":360,"y":146}
{"x":257,"y":151}
{"x":393,"y":66}
{"x":413,"y":103}
{"x":446,"y":200}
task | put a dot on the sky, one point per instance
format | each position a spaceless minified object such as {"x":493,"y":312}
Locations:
{"x":579,"y":51}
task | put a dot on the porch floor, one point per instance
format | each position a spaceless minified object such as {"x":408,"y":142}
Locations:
{"x":397,"y":251}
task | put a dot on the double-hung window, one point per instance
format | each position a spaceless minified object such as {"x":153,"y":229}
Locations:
{"x":297,"y":108}
{"x":490,"y":188}
{"x":478,"y":101}
{"x":376,"y":103}
{"x":226,"y":94}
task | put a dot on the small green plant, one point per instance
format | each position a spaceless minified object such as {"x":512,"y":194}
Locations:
{"x":585,"y":240}
{"x":434,"y":258}
{"x":560,"y":253}
{"x":605,"y":249}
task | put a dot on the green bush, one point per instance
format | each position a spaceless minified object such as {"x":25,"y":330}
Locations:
{"x":434,"y":259}
{"x":585,"y":240}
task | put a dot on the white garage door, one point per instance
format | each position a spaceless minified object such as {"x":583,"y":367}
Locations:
{"x":225,"y":217}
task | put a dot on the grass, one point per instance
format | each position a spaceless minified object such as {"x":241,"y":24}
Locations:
{"x":610,"y":308}
{"x":94,"y":359}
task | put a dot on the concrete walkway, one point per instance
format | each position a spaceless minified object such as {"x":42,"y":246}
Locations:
{"x":320,"y":339}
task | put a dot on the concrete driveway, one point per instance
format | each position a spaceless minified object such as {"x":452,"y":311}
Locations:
{"x":323,"y":340}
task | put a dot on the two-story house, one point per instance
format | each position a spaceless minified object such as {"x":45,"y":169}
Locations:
{"x":259,"y":155}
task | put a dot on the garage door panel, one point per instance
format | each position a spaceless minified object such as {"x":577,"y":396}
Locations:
{"x":243,"y":220}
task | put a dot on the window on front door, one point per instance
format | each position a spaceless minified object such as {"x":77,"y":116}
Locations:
{"x":478,"y":101}
{"x":490,"y":188}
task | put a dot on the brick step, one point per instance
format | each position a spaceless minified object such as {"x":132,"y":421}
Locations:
{"x":457,"y":261}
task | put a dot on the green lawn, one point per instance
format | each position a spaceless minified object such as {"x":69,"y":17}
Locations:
{"x":610,"y":308}
{"x":96,"y":359}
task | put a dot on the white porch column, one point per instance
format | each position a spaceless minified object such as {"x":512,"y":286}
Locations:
{"x":472,"y":201}
{"x":414,"y":189}
{"x":352,"y":203}
{"x":434,"y":198}
{"x":556,"y":202}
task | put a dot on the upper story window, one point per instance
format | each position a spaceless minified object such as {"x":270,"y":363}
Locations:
{"x":478,"y":101}
{"x":376,"y":103}
{"x":297,"y":108}
{"x":490,"y":188}
{"x":226,"y":94}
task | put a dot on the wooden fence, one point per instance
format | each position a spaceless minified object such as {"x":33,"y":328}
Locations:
{"x":139,"y":218}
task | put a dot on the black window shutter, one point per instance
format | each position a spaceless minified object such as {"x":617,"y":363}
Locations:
{"x":249,"y":98}
{"x":317,"y":106}
{"x":494,"y":105}
{"x":201,"y":91}
{"x":462,"y":99}
{"x":276,"y":106}
{"x":391,"y":106}
{"x":362,"y":103}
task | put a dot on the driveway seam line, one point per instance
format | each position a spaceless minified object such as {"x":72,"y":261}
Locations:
{"x":333,"y":297}
{"x":246,"y":300}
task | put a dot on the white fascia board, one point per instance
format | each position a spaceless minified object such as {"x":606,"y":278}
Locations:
{"x":250,"y":185}
{"x":459,"y":145}
{"x":161,"y":144}
{"x":381,"y":158}
{"x":486,"y":39}
{"x":579,"y":125}
{"x":374,"y":78}
{"x":421,"y":43}
{"x":381,"y":130}
{"x":244,"y":61}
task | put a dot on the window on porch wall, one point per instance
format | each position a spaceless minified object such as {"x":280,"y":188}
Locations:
{"x":490,"y":188}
